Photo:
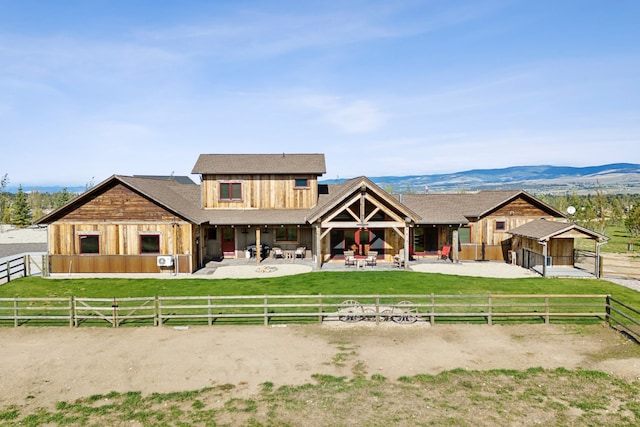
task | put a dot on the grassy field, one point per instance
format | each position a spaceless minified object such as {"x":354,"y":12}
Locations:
{"x":618,"y":243}
{"x":457,"y":398}
{"x":336,"y":283}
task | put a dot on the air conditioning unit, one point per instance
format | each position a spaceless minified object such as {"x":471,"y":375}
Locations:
{"x":165,"y":260}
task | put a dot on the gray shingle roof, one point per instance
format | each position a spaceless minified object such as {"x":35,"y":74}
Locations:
{"x":457,"y":208}
{"x":260,"y":164}
{"x":542,"y":230}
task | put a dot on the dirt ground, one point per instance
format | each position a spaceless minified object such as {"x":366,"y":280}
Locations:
{"x":42,"y":366}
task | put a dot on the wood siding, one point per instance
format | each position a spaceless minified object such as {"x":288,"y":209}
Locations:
{"x":115,"y":264}
{"x":120,"y":217}
{"x":261,"y":191}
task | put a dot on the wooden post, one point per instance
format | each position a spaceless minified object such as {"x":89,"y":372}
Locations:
{"x":607,"y":309}
{"x":318,"y":246}
{"x":432,"y":319}
{"x":454,"y":246}
{"x":115,"y":313}
{"x":490,"y":311}
{"x":159,"y":311}
{"x":546,"y":309}
{"x":72,"y":311}
{"x":406,"y":246}
{"x":8,"y":271}
{"x":15,"y":312}
{"x":266,"y":310}
{"x":377,"y":310}
{"x":258,"y":246}
{"x":27,"y":265}
{"x":209,"y":313}
{"x":320,"y":308}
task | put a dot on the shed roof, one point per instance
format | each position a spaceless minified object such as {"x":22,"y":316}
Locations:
{"x":260,"y":164}
{"x":543,"y":230}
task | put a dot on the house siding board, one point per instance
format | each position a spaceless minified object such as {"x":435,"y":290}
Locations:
{"x":117,"y":204}
{"x":261,"y":192}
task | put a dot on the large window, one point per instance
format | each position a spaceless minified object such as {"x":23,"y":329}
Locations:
{"x":149,"y":243}
{"x":89,"y":244}
{"x":230,"y":191}
{"x":464,"y":235}
{"x":287,"y":234}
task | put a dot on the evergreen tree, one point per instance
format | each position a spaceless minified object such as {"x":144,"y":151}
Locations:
{"x":21,"y":213}
{"x":62,"y":197}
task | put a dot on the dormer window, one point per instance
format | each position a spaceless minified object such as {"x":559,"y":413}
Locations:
{"x":230,"y":191}
{"x":302,"y":183}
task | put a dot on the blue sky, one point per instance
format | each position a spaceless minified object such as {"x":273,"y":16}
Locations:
{"x":93,"y":88}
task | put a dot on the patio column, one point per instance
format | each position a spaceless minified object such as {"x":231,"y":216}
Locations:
{"x":318,"y":246}
{"x":406,"y":243}
{"x":454,"y":245}
{"x":258,"y":247}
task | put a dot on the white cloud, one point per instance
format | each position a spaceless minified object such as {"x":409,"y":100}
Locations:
{"x":350,"y":116}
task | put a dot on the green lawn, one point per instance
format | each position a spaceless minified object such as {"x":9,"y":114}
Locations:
{"x":327,"y":283}
{"x":618,"y":243}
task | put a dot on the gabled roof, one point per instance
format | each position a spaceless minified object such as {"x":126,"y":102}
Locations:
{"x":260,"y":164}
{"x":180,"y":179}
{"x":543,"y":230}
{"x":458,"y":208}
{"x":181,"y":199}
{"x":339,"y":192}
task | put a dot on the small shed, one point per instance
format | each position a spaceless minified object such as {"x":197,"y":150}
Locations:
{"x":549,"y":248}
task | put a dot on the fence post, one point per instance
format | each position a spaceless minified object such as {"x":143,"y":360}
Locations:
{"x":115,"y":312}
{"x":607,"y":309}
{"x":72,"y":312}
{"x":15,"y":312}
{"x":432,"y":320}
{"x":158,"y":311}
{"x":546,"y":309}
{"x":8,"y":271}
{"x":209,"y":312}
{"x":320,"y":308}
{"x":377,"y":310}
{"x":490,"y":310}
{"x":45,"y":266}
{"x":27,"y":265}
{"x":266,"y":311}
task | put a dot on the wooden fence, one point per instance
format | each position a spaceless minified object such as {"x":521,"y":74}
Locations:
{"x":272,"y":309}
{"x":21,"y":266}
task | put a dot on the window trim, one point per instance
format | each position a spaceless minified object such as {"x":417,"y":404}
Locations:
{"x":84,"y":236}
{"x":286,"y":228}
{"x":141,"y":235}
{"x":230,"y":184}
{"x":305,"y":186}
{"x":501,"y":227}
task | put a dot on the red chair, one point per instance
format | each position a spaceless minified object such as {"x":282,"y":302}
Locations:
{"x":444,"y":254}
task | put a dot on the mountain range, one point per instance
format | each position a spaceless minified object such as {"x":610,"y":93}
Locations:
{"x":610,"y":178}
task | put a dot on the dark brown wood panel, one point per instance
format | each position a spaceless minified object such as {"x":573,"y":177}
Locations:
{"x":519,"y":207}
{"x":119,"y":204}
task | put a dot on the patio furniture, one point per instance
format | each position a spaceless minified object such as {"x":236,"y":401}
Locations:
{"x":372,"y":257}
{"x":300,"y":252}
{"x":444,"y":254}
{"x":277,"y":252}
{"x":398,"y":260}
{"x":349,"y":258}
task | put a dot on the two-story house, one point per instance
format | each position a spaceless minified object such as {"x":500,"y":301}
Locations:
{"x":153,"y":224}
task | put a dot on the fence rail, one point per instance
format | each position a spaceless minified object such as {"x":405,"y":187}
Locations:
{"x":22,"y":265}
{"x":270,"y":309}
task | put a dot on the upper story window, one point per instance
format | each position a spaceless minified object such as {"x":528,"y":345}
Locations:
{"x":500,"y":226}
{"x":302,"y":183}
{"x":230,"y":191}
{"x":149,"y":243}
{"x":89,"y":244}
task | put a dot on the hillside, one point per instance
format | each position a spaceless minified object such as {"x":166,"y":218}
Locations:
{"x":611,"y":178}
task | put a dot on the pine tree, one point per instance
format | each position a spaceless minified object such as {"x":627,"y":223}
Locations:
{"x":21,"y":212}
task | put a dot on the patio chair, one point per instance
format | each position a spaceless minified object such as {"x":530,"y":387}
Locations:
{"x":300,"y":252}
{"x":372,"y":257}
{"x":398,"y":260}
{"x":277,"y":252}
{"x":444,"y":254}
{"x":349,"y":258}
